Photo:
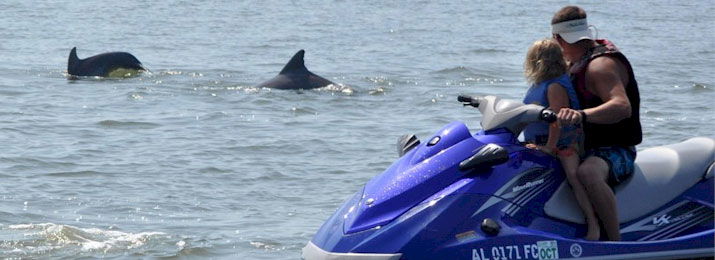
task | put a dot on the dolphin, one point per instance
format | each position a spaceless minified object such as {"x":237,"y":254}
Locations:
{"x":110,"y":64}
{"x":296,"y":76}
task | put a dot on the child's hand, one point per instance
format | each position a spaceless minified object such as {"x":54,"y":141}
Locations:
{"x":546,"y":149}
{"x":542,"y":148}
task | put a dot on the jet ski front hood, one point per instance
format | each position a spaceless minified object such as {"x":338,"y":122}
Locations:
{"x":427,"y":169}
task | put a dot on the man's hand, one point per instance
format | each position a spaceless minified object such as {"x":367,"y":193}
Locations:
{"x":569,"y":116}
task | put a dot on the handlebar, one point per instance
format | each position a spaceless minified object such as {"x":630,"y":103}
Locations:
{"x":463,"y":98}
{"x":469,"y":100}
{"x":545,"y":115}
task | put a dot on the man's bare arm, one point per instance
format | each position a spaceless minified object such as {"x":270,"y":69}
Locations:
{"x":605,"y":78}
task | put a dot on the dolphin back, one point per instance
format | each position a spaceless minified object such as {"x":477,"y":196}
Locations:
{"x":102,"y":64}
{"x":295,"y":64}
{"x":72,"y":62}
{"x":295,"y":75}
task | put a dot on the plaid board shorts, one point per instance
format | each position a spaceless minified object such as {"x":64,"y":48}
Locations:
{"x":620,"y":161}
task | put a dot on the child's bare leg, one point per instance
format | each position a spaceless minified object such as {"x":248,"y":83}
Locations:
{"x":570,"y":164}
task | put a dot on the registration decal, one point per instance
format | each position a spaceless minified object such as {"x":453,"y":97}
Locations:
{"x":547,"y":249}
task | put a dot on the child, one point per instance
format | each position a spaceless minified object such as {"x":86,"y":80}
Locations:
{"x":551,"y":87}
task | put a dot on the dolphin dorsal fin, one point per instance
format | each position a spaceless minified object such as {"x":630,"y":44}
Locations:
{"x":295,"y":64}
{"x":73,"y":60}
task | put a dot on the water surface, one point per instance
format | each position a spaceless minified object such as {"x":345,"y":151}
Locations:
{"x":191,"y":161}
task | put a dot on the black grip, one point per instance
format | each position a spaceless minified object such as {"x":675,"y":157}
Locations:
{"x":469,"y":100}
{"x":547,"y":116}
{"x":463,"y":98}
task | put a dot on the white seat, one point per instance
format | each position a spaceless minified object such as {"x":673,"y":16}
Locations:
{"x":661,"y":174}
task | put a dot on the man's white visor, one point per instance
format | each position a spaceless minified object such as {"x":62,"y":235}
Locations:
{"x":573,"y":30}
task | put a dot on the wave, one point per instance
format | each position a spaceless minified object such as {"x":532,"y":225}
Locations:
{"x":697,"y":87}
{"x":11,"y":93}
{"x":75,"y":174}
{"x":214,"y":170}
{"x":127,"y":124}
{"x":303,"y":111}
{"x":267,"y":245}
{"x":468,"y":74}
{"x":66,"y":240}
{"x":338,"y":88}
{"x":488,"y":51}
{"x":458,"y":69}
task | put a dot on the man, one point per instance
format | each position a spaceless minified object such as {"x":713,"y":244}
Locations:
{"x":608,"y":93}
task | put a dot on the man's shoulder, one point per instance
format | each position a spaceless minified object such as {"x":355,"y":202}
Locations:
{"x":605,"y":73}
{"x":606,"y":65}
{"x":604,"y":62}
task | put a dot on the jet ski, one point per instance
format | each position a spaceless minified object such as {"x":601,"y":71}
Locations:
{"x":485,"y":196}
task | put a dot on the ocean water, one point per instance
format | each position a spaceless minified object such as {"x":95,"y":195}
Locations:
{"x":191,"y":161}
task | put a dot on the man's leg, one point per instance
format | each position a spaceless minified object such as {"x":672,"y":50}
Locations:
{"x":593,"y":173}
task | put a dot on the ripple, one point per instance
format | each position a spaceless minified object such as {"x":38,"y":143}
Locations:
{"x":15,"y":130}
{"x":489,"y":51}
{"x":127,"y":124}
{"x":303,"y":111}
{"x":27,"y":163}
{"x":191,"y":251}
{"x":75,"y":174}
{"x":213,"y":116}
{"x":267,"y":245}
{"x":702,"y":87}
{"x":170,"y":72}
{"x":458,"y":69}
{"x":136,"y":95}
{"x":214,"y":170}
{"x":338,"y":88}
{"x":381,"y":81}
{"x":466,"y":75}
{"x":58,"y":239}
{"x":378,"y":91}
{"x":11,"y":93}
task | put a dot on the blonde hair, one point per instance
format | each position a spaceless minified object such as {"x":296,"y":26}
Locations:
{"x":544,"y":61}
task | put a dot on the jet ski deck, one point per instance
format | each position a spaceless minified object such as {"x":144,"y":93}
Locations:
{"x":484,"y":196}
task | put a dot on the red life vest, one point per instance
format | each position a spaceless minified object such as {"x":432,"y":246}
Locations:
{"x":626,"y":132}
